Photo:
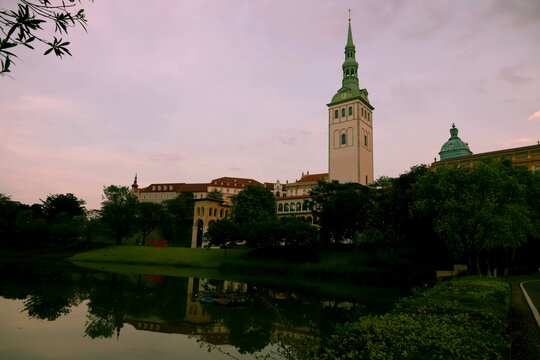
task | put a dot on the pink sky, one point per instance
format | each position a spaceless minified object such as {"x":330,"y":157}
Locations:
{"x":188,"y":91}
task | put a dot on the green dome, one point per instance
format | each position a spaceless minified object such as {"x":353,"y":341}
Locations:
{"x":454,"y":147}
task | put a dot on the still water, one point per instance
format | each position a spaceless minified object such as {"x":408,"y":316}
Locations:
{"x":67,"y":312}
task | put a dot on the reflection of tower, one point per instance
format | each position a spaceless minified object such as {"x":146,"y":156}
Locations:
{"x":350,"y":135}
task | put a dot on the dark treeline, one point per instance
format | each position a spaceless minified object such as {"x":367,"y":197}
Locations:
{"x":486,"y":217}
{"x":61,"y":221}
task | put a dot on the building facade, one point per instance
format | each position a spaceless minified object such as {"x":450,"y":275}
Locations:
{"x":455,"y":152}
{"x":350,"y":126}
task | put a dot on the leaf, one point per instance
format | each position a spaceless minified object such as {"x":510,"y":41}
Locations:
{"x":48,"y":51}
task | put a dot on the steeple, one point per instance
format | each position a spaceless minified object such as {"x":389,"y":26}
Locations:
{"x":349,"y":85}
{"x":350,"y":66}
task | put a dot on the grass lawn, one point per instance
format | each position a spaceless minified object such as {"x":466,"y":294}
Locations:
{"x":166,"y":256}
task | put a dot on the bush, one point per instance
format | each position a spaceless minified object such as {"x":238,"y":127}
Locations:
{"x":460,"y":319}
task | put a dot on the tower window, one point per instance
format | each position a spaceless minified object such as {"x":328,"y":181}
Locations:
{"x":350,"y":110}
{"x":343,"y":139}
{"x":365,"y":140}
{"x":336,"y":114}
{"x":343,"y":112}
{"x":366,"y":179}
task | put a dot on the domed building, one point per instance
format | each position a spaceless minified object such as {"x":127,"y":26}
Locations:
{"x":454,"y":147}
{"x":455,"y":152}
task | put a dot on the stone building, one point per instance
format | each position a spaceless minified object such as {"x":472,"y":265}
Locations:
{"x":455,"y":152}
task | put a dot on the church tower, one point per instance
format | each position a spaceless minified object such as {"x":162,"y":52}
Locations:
{"x":350,"y":129}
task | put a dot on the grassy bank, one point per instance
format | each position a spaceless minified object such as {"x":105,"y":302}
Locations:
{"x":465,"y":318}
{"x":166,"y":256}
{"x":245,"y":264}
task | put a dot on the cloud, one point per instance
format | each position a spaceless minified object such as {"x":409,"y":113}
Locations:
{"x":534,"y":117}
{"x":509,"y":74}
{"x":518,"y":142}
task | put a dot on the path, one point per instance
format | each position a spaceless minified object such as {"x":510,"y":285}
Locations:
{"x":525,"y":330}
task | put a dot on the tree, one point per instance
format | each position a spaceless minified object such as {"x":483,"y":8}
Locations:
{"x":23,"y":27}
{"x":118,"y":211}
{"x":215,"y":194}
{"x":222,"y":233}
{"x":62,"y":203}
{"x":149,"y":216}
{"x":341,"y":209}
{"x":66,"y":230}
{"x":8,"y":212}
{"x":178,"y":221}
{"x":481,"y":214}
{"x":253,"y":204}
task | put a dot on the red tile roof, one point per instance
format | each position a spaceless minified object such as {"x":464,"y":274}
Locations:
{"x":293,"y":197}
{"x":176,"y":187}
{"x":234,"y":182}
{"x":313,"y":178}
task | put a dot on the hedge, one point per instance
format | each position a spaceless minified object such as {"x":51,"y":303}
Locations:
{"x":460,"y":319}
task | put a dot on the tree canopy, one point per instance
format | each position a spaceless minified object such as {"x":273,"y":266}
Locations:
{"x":254,"y":203}
{"x":118,"y":211}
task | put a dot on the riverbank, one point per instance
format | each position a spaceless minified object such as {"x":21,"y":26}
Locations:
{"x":245,"y":263}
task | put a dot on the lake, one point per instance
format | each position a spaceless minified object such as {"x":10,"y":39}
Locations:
{"x":60,"y":311}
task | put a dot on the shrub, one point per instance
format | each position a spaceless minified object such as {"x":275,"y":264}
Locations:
{"x":460,"y":319}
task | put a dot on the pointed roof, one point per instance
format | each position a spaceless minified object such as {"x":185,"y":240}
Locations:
{"x":350,"y":89}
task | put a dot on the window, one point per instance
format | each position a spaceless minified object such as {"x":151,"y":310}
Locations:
{"x":350,"y":110}
{"x":343,"y":139}
{"x":365,"y":140}
{"x":343,"y":112}
{"x":366,"y":179}
{"x":362,"y":112}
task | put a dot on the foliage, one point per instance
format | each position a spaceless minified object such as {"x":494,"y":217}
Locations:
{"x":178,"y":219}
{"x":21,"y":27}
{"x":462,"y":319}
{"x":118,"y":211}
{"x":67,"y":230}
{"x":255,"y":203}
{"x":222,"y":233}
{"x":8,"y":212}
{"x":481,"y":214}
{"x":149,"y":216}
{"x":31,"y":231}
{"x":341,"y":209}
{"x":215,"y":194}
{"x":62,"y":203}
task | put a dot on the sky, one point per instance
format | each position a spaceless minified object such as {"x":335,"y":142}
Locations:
{"x":189,"y":91}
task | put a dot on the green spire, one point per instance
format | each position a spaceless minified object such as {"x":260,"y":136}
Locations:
{"x":350,"y":66}
{"x":349,"y":37}
{"x":350,"y":89}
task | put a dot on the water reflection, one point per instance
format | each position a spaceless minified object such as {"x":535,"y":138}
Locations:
{"x":172,"y":305}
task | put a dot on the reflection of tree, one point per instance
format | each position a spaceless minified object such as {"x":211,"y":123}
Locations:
{"x":105,"y":309}
{"x":47,"y":306}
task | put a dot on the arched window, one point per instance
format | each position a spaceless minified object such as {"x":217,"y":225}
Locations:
{"x":278,"y":194}
{"x":221,"y":213}
{"x":286,"y":208}
{"x":343,"y":139}
{"x":202,"y":211}
{"x":350,"y":110}
{"x":365,"y":140}
{"x":291,"y":206}
{"x":298,"y":206}
{"x":280,"y":208}
{"x":304,"y":206}
{"x":343,"y":112}
{"x":336,"y":114}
